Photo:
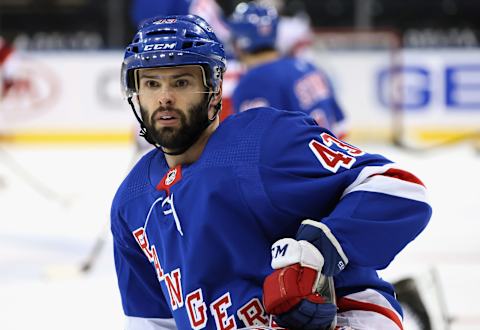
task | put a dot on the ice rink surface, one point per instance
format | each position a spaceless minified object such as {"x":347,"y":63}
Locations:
{"x":54,"y":202}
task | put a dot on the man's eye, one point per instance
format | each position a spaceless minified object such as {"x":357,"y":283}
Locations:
{"x":151,"y":84}
{"x":181,"y":83}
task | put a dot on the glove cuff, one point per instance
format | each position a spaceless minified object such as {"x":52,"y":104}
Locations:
{"x":320,"y":236}
{"x":288,"y":251}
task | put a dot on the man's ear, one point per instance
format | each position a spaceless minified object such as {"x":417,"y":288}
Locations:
{"x":218,"y":95}
{"x":216,"y":103}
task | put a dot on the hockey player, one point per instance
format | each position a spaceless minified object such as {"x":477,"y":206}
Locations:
{"x":265,"y":219}
{"x":283,"y":82}
{"x":209,"y":10}
{"x":8,"y":67}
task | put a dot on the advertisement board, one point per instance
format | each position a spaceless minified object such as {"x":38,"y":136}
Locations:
{"x":76,"y":96}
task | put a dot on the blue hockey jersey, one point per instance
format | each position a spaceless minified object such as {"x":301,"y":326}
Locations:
{"x":192,"y":243}
{"x":291,"y":84}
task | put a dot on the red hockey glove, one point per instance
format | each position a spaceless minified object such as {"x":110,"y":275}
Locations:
{"x":297,"y":293}
{"x":287,"y":286}
{"x":288,"y":296}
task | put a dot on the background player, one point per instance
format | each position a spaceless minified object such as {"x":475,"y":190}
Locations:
{"x":8,"y":80}
{"x":283,"y":82}
{"x":8,"y":67}
{"x":209,"y":10}
{"x":197,"y":219}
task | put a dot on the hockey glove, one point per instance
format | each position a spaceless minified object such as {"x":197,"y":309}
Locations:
{"x":300,"y":291}
{"x":322,"y":238}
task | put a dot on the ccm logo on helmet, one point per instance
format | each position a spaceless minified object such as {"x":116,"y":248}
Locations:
{"x":159,"y":46}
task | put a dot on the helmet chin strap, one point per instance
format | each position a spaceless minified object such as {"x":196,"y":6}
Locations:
{"x":143,"y":128}
{"x":144,"y":133}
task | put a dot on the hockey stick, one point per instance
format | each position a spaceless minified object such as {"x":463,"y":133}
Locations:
{"x":97,"y":247}
{"x":40,"y":187}
{"x":87,"y":264}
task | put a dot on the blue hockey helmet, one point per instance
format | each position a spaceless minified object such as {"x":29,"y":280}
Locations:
{"x":174,"y":40}
{"x":254,"y":27}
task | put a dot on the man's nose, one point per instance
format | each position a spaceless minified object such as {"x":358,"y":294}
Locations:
{"x":167,"y":96}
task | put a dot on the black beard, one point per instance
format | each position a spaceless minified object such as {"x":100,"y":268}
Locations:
{"x":178,"y":139}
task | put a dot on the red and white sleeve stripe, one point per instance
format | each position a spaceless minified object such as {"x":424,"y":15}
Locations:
{"x":389,"y":180}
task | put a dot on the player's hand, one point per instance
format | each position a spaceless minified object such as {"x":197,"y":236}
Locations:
{"x":289,"y":293}
{"x":300,"y":293}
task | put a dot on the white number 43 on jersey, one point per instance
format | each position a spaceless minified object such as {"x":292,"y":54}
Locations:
{"x":331,"y":159}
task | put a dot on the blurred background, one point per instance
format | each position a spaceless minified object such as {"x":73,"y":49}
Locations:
{"x":402,"y":69}
{"x":93,"y":25}
{"x":407,"y":74}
